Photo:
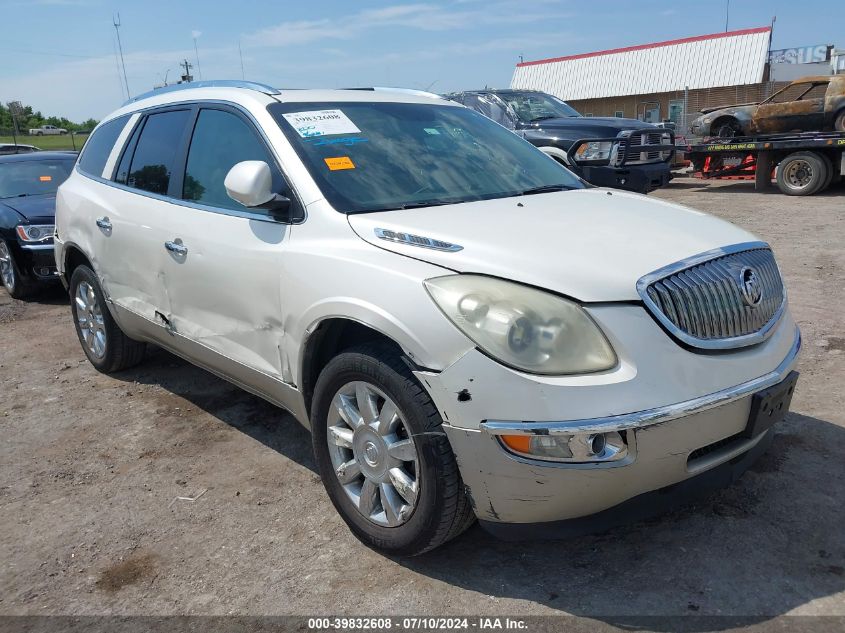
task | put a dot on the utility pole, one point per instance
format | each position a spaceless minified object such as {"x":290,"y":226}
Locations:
{"x":187,"y":76}
{"x":727,"y":13}
{"x":116,"y":22}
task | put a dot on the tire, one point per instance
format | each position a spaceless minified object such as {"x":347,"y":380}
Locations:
{"x":108,"y":349}
{"x":17,"y":285}
{"x":726,"y":128}
{"x":828,"y":165}
{"x":801,"y":174}
{"x":440,"y":509}
{"x":839,"y":122}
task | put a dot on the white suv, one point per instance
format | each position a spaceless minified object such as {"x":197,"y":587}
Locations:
{"x":467,"y":328}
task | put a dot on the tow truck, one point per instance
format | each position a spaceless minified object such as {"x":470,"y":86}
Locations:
{"x":802,"y":164}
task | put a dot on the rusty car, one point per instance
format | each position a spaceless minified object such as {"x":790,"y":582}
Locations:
{"x":809,"y":104}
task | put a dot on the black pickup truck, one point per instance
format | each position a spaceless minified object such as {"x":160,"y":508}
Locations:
{"x":608,"y":152}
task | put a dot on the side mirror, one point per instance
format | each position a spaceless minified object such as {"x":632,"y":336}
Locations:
{"x":250,"y":183}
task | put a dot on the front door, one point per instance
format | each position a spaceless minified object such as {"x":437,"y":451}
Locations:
{"x":796,"y":108}
{"x":224,"y":264}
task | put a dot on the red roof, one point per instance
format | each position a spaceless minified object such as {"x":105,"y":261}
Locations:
{"x":697,"y":38}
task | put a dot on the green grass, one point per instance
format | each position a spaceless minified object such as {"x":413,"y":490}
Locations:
{"x":49,"y":142}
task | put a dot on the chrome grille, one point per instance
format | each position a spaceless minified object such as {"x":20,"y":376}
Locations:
{"x":639,"y":138}
{"x":702,"y":302}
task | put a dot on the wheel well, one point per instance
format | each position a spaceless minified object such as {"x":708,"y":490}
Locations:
{"x":73,"y":258}
{"x":332,"y":337}
{"x":726,"y":118}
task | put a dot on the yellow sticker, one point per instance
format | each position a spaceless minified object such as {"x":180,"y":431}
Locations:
{"x":339,"y":162}
{"x":45,"y":178}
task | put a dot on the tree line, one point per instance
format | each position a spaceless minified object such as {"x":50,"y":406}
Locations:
{"x":27,"y":118}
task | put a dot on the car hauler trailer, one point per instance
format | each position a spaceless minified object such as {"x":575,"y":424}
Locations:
{"x":802,"y":164}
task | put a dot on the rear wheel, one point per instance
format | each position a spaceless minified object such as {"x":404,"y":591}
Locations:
{"x":801,"y":174}
{"x":104,"y":343}
{"x":18,"y":286}
{"x":382,"y":454}
{"x":828,"y":165}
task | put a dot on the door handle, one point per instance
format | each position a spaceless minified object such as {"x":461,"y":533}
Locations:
{"x":104,"y":223}
{"x":176,"y":247}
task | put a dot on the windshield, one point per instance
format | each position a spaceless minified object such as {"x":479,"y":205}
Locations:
{"x":33,"y":177}
{"x":537,"y":106}
{"x":380,"y":156}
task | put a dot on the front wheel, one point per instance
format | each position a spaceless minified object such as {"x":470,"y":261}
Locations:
{"x":383,"y":457}
{"x":18,"y":286}
{"x":839,"y":123}
{"x":104,"y":343}
{"x":728,"y":128}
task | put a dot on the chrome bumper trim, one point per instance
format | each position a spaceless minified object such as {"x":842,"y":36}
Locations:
{"x":37,"y":247}
{"x":648,"y":417}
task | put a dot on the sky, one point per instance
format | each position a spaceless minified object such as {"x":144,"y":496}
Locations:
{"x":60,"y":55}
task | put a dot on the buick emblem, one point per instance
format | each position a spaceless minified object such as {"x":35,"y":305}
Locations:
{"x":749,"y":286}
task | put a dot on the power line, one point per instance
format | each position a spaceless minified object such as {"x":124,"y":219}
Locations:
{"x":31,"y":52}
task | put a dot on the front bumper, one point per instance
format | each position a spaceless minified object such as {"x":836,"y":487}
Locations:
{"x":667,"y":444}
{"x":637,"y":178}
{"x":38,"y":262}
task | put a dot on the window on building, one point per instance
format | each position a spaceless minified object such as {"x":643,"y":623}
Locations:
{"x":589,"y":114}
{"x":619,"y":114}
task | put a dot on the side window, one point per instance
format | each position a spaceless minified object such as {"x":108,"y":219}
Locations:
{"x":818,"y":91}
{"x":122,"y":173}
{"x":155,"y":153}
{"x":220,"y":140}
{"x":790,"y":93}
{"x":98,"y":148}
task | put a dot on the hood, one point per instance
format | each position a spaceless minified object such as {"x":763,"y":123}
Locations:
{"x":738,"y":105}
{"x":588,"y":244}
{"x":39,"y":207}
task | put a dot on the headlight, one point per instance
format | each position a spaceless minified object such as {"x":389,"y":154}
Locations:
{"x":594,"y":151}
{"x":35,"y":232}
{"x":521,"y":327}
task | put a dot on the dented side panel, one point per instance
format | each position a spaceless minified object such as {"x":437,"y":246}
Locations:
{"x":224,"y":292}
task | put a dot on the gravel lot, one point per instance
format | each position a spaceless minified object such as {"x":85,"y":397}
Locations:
{"x":91,"y":468}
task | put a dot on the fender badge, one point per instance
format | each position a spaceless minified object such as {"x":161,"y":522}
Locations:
{"x":417,"y":240}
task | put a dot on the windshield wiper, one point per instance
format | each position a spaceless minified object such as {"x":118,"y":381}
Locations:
{"x":544,"y":117}
{"x":545,"y":189}
{"x":417,"y":205}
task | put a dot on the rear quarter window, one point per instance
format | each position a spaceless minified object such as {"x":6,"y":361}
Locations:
{"x":98,"y":148}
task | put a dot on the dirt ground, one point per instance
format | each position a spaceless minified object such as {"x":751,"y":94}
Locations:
{"x":93,"y":468}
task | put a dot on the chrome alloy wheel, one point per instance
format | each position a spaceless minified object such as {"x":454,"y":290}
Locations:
{"x":373,"y":454}
{"x":7,"y":270}
{"x":798,"y":174}
{"x":89,"y":318}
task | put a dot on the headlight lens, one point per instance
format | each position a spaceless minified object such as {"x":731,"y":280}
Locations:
{"x":35,"y":232}
{"x":521,"y":327}
{"x":594,"y":151}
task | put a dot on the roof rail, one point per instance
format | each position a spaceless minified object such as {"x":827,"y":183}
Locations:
{"x":210,"y":83}
{"x":407,"y":91}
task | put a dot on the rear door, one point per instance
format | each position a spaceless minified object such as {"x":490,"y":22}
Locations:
{"x":223,"y":284}
{"x":796,"y":108}
{"x":133,"y":225}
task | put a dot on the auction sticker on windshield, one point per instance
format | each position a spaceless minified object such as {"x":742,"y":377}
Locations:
{"x":321,"y":123}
